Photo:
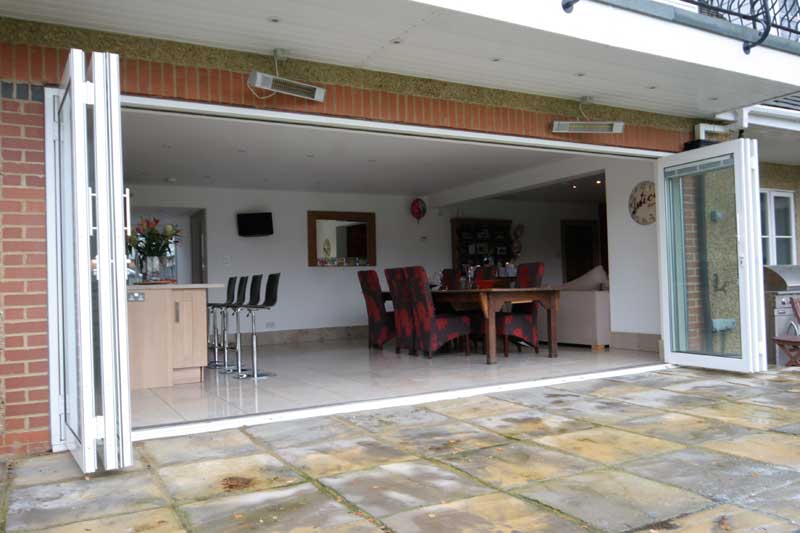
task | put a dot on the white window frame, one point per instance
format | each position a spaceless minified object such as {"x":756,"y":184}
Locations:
{"x":768,"y":232}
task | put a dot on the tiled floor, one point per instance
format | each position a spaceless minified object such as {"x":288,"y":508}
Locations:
{"x":310,"y":375}
{"x":623,"y":454}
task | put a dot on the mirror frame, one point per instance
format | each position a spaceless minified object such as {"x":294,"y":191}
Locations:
{"x":349,"y":216}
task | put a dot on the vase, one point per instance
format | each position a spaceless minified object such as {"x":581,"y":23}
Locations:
{"x":151,"y":268}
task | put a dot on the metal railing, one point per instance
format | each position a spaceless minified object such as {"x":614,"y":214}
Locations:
{"x":780,"y":18}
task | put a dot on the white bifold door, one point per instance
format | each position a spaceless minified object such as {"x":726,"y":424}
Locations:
{"x":87,"y":225}
{"x":712,"y":296}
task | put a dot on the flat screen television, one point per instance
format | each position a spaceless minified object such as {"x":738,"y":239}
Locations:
{"x":254,"y":224}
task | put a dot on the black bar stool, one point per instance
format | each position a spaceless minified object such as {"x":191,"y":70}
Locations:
{"x":213,"y":308}
{"x":270,"y":299}
{"x":255,"y":294}
{"x":241,"y":293}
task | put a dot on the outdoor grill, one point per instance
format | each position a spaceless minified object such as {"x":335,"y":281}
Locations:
{"x":781,"y":283}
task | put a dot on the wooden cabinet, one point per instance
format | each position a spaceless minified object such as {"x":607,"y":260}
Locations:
{"x":168,"y":332}
{"x":474,"y":239}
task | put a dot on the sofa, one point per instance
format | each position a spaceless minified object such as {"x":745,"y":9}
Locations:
{"x":584,"y":314}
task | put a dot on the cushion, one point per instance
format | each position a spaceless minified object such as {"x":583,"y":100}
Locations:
{"x":594,"y":280}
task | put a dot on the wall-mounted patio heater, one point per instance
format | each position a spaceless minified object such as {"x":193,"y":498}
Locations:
{"x":276,"y":84}
{"x":564,"y":126}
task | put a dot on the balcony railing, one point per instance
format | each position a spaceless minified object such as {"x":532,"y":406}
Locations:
{"x":780,"y":18}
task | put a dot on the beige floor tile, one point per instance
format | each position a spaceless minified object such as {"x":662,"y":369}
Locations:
{"x":206,"y":479}
{"x":748,"y":415}
{"x":155,"y":521}
{"x":519,"y":464}
{"x":724,"y":519}
{"x":529,"y":423}
{"x":491,"y":513}
{"x":474,"y":407}
{"x":615,"y":501}
{"x":774,"y":448}
{"x":608,"y":446}
{"x":335,"y":457}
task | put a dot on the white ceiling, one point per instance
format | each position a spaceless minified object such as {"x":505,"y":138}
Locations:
{"x":776,"y":145}
{"x":583,"y":190}
{"x":220,"y":152}
{"x":435,"y":42}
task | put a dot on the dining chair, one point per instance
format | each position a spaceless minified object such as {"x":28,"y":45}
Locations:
{"x":484,"y":273}
{"x":432,"y":330}
{"x":380,"y":322}
{"x":450,"y":279}
{"x":270,"y":299}
{"x":213,"y":308}
{"x":403,"y":310}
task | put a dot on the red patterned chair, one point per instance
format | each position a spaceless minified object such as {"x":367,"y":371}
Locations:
{"x":381,"y":322}
{"x":433,"y":330}
{"x":403,"y":310}
{"x":484,"y":273}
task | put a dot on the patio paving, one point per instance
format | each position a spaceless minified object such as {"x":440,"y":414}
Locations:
{"x":678,"y":450}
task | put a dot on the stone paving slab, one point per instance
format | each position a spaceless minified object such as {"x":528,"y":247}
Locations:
{"x":615,"y":501}
{"x":783,"y":501}
{"x":474,"y":407}
{"x":52,"y":504}
{"x":302,"y":432}
{"x":396,"y":417}
{"x":664,"y":399}
{"x":718,"y":476}
{"x":393,"y":488}
{"x":726,"y":390}
{"x":600,"y":387}
{"x":775,"y":448}
{"x":156,"y":521}
{"x":298,"y":508}
{"x":443,"y":439}
{"x":752,"y":416}
{"x":600,"y":410}
{"x":518,"y":464}
{"x":791,"y":429}
{"x":196,"y":447}
{"x":334,"y":457}
{"x":492,"y":513}
{"x":529,"y":423}
{"x":206,"y":479}
{"x":789,"y":399}
{"x":683,"y":428}
{"x":726,"y":518}
{"x":607,"y":445}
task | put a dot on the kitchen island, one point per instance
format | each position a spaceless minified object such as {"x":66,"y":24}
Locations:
{"x":168,"y":333}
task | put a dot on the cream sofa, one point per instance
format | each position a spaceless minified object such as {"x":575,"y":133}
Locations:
{"x":584,"y":314}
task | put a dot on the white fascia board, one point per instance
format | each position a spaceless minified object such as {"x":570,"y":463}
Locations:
{"x":620,"y":28}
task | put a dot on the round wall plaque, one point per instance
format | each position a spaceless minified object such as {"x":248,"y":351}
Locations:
{"x":642,"y":203}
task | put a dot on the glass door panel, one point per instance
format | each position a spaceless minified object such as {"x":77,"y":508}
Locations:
{"x":711,"y":246}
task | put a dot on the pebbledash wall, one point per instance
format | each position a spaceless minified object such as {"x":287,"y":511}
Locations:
{"x":32,"y":56}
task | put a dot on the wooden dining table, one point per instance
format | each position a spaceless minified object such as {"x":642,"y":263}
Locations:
{"x":491,"y":301}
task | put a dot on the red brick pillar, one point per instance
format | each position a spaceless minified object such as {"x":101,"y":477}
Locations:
{"x":24,"y":396}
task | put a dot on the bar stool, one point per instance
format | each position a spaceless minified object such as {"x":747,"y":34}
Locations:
{"x":270,"y":299}
{"x":241,"y":293}
{"x":213,"y":307}
{"x":255,"y":294}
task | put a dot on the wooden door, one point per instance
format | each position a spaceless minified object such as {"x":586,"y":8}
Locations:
{"x":580,"y":247}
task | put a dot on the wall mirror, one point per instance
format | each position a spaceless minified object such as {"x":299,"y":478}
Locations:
{"x":341,"y":238}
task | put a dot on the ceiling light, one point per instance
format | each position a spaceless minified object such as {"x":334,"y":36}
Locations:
{"x":310,"y":156}
{"x":574,"y":186}
{"x":496,"y":59}
{"x":564,"y":126}
{"x":171,"y":180}
{"x":652,"y":87}
{"x":396,"y":40}
{"x":242,"y":151}
{"x":274,"y":19}
{"x":580,"y":74}
{"x":599,"y":182}
{"x":714,"y":98}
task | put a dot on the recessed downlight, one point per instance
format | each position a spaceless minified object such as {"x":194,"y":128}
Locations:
{"x":580,"y":74}
{"x":396,"y":40}
{"x":171,"y":180}
{"x":599,"y":182}
{"x":574,"y":186}
{"x":274,"y":20}
{"x":496,"y":59}
{"x":310,"y":156}
{"x":714,"y":98}
{"x":652,"y":87}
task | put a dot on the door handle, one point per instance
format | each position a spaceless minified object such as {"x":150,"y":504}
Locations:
{"x":126,"y":198}
{"x":177,"y":312}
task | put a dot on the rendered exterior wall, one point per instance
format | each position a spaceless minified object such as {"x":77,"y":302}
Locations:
{"x":32,"y":55}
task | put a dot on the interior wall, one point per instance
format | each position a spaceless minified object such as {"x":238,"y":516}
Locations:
{"x":632,"y":253}
{"x":317,"y":297}
{"x":184,"y":247}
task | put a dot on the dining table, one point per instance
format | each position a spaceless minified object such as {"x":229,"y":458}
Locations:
{"x":490,"y":301}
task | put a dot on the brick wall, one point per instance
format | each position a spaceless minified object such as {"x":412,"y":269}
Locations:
{"x":25,"y":68}
{"x":23,"y":348}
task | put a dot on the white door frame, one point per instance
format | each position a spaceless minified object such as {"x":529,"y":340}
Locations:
{"x":750,"y":278}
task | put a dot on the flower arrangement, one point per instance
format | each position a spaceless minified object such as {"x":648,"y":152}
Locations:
{"x":149,"y":241}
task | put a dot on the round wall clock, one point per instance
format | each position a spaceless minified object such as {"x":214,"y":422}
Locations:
{"x":642,"y":203}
